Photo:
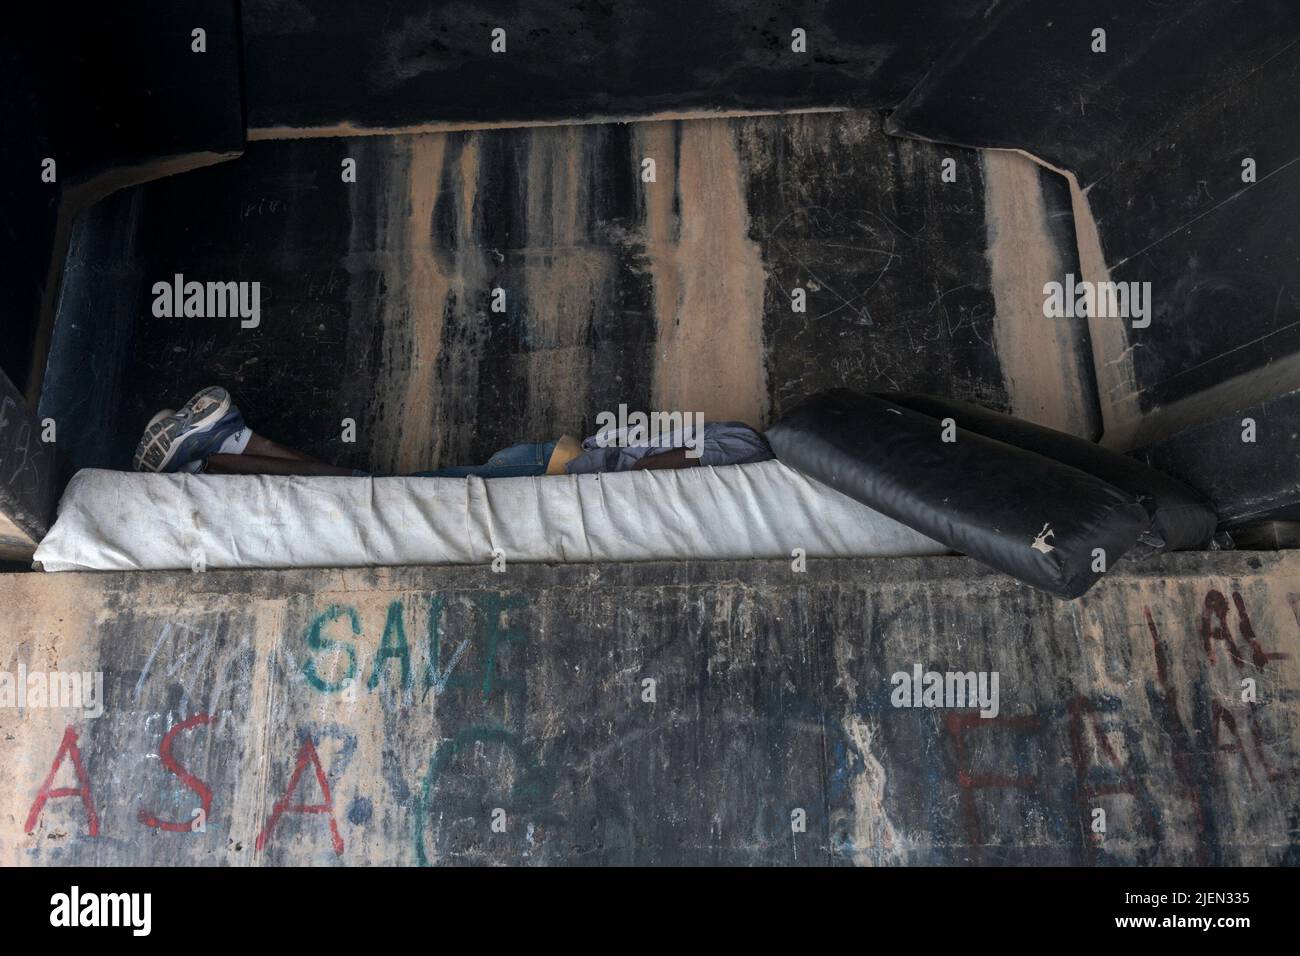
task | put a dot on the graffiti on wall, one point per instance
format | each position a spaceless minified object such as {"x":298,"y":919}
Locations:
{"x":1154,"y":760}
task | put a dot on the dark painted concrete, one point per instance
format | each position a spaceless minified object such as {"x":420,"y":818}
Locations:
{"x":1268,"y":536}
{"x":27,"y":476}
{"x":113,"y":94}
{"x":412,"y":61}
{"x":894,"y":258}
{"x":366,"y":311}
{"x":1030,"y":80}
{"x":30,"y":207}
{"x":772,"y":695}
{"x":123,"y":86}
{"x":100,"y":290}
{"x":1222,"y":255}
{"x":1249,"y":481}
{"x":1155,"y":129}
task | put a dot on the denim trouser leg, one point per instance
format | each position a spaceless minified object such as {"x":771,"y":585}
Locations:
{"x":524,"y":460}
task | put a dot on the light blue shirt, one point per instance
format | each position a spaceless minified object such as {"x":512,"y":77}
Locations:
{"x":724,"y":443}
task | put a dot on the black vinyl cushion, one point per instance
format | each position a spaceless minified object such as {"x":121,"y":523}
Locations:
{"x":1180,"y":516}
{"x":1034,"y":518}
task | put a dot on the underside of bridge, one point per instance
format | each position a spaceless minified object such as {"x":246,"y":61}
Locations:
{"x":463,"y":239}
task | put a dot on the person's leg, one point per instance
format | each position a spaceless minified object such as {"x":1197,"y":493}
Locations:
{"x":209,"y":422}
{"x":208,"y":433}
{"x":263,"y":447}
{"x":527,"y":459}
{"x":271,"y":465}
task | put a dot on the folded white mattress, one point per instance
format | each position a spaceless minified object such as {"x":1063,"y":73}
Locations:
{"x":120,"y":521}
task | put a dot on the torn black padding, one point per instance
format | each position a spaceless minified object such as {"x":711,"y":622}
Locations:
{"x":1179,"y":515}
{"x":982,"y":497}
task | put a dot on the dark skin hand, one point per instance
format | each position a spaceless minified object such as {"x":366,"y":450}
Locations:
{"x":674,"y":458}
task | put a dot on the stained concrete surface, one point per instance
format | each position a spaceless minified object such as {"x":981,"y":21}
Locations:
{"x":677,"y":293}
{"x":99,"y":90}
{"x":27,"y":474}
{"x":474,"y":692}
{"x":331,"y":63}
{"x":1255,"y":480}
{"x":1156,"y":129}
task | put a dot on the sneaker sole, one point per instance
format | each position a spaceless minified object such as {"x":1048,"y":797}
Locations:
{"x":162,"y":435}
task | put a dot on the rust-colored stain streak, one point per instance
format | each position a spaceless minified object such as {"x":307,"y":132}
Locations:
{"x":460,"y":359}
{"x":1041,"y":364}
{"x":566,"y":257}
{"x":566,"y":277}
{"x":416,"y":285}
{"x":708,"y":281}
{"x":1112,"y":353}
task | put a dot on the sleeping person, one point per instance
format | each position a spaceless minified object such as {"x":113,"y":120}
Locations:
{"x":208,"y":434}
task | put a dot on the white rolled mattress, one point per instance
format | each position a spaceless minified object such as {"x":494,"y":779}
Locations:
{"x":120,"y":521}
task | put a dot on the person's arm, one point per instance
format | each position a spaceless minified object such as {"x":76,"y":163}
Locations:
{"x":673,"y":458}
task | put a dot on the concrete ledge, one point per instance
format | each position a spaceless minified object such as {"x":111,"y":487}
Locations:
{"x":459,"y":715}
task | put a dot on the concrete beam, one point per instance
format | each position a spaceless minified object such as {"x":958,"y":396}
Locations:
{"x":452,"y":715}
{"x":1246,"y":462}
{"x":27,"y":477}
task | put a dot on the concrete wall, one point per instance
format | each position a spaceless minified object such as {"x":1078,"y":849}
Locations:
{"x":523,"y":691}
{"x":335,"y":64}
{"x":671,"y":294}
{"x":113,"y":96}
{"x":1156,"y":129}
{"x":27,"y":475}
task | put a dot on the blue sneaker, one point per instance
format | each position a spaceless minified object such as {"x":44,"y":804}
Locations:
{"x":174,"y":439}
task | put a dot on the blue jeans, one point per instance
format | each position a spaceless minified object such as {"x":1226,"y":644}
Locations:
{"x":518,"y":461}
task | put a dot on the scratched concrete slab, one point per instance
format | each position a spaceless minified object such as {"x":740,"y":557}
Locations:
{"x":677,"y":293}
{"x":26,"y":477}
{"x":394,"y":715}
